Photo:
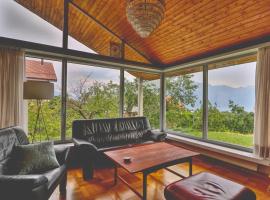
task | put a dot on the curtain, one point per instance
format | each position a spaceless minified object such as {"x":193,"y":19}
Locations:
{"x":11,"y":87}
{"x":262,"y":105}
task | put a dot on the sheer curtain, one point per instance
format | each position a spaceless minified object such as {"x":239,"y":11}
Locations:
{"x":262,"y":106}
{"x":11,"y":87}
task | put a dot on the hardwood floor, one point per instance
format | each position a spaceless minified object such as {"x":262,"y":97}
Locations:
{"x":102,"y":188}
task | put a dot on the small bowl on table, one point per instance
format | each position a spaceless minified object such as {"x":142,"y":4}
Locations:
{"x":127,"y":160}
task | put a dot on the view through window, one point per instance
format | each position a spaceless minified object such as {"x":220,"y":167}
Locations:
{"x":231,"y":94}
{"x":184,"y":94}
{"x":231,"y":101}
{"x":142,"y":96}
{"x":93,"y":92}
{"x":46,"y":71}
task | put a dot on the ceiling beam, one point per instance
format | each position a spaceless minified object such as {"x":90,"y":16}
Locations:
{"x":110,"y":31}
{"x":75,"y":56}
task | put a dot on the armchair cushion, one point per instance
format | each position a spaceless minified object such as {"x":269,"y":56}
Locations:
{"x":34,"y":158}
{"x":21,"y":181}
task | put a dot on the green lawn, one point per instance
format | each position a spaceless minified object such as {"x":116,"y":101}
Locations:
{"x":245,"y":140}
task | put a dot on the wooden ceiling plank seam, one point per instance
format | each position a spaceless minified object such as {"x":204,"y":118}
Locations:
{"x":265,"y":18}
{"x":229,"y":37}
{"x":205,"y":11}
{"x":149,"y":60}
{"x":206,"y":28}
{"x":183,"y":37}
{"x":213,"y":25}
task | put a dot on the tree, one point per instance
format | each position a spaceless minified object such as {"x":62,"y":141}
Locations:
{"x":180,"y":97}
{"x":181,"y":89}
{"x":130,"y":95}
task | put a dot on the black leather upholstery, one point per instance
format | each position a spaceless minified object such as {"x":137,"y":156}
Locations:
{"x":94,"y":136}
{"x":33,"y":186}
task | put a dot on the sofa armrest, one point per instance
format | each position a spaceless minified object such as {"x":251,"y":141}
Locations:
{"x":61,"y":152}
{"x":84,"y":144}
{"x":21,"y":182}
{"x":157,"y":135}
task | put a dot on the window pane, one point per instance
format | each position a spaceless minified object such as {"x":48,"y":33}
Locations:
{"x":141,"y":97}
{"x":131,"y":95}
{"x":93,"y":92}
{"x":45,"y":71}
{"x":184,"y":103}
{"x":151,"y":102}
{"x":231,"y":94}
{"x":19,"y":23}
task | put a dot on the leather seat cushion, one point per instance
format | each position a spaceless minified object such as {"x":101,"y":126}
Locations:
{"x":204,"y":186}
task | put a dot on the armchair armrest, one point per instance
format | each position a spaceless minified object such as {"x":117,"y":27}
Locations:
{"x":61,"y":152}
{"x":21,"y":182}
{"x":84,"y":144}
{"x":157,"y":135}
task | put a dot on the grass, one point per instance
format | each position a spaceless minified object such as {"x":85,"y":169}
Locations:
{"x":245,"y":140}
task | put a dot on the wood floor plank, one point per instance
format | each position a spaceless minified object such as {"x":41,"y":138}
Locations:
{"x":102,"y":188}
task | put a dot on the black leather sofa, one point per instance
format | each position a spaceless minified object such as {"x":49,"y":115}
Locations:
{"x":34,"y":186}
{"x":92,"y":137}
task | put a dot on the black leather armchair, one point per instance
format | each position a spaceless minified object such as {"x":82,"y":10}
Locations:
{"x":92,"y":137}
{"x":34,"y":186}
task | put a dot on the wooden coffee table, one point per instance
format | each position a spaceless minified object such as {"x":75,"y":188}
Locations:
{"x":148,"y":158}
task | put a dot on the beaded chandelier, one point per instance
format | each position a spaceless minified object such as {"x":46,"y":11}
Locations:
{"x":145,"y":15}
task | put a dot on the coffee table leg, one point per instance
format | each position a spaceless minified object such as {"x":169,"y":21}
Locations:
{"x":190,"y":167}
{"x":144,"y":185}
{"x":115,"y":174}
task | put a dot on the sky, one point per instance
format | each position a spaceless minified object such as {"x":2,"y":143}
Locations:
{"x":19,"y":23}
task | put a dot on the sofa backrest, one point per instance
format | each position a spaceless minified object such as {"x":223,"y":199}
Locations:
{"x":114,"y":129}
{"x":8,"y":138}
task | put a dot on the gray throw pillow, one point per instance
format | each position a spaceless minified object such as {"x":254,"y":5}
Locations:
{"x":35,"y":158}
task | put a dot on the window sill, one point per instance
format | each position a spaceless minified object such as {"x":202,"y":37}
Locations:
{"x":219,"y":149}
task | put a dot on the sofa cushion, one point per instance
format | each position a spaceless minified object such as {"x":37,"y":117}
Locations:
{"x":8,"y":139}
{"x":115,"y":138}
{"x":34,"y":158}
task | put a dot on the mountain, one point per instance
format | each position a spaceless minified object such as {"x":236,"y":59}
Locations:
{"x":221,"y":94}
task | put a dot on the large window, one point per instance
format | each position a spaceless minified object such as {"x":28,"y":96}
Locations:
{"x":48,"y":124}
{"x":229,"y":112}
{"x":184,"y":102}
{"x":93,"y":92}
{"x":231,"y":94}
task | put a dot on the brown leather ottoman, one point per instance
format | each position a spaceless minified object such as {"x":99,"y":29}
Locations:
{"x":206,"y":186}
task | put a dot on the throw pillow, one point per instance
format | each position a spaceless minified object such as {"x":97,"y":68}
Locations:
{"x":35,"y":158}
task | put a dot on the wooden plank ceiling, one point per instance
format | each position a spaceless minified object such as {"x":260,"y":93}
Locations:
{"x":190,"y":27}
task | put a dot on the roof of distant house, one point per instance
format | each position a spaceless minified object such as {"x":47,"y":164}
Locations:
{"x":38,"y":70}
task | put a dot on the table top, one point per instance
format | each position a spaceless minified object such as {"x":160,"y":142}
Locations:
{"x":147,"y":156}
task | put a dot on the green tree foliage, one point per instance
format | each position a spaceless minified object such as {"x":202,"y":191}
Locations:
{"x":51,"y":114}
{"x":151,"y":101}
{"x":130,"y":96}
{"x":181,"y":89}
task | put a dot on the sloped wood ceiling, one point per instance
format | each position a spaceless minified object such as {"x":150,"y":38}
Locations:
{"x":190,"y":28}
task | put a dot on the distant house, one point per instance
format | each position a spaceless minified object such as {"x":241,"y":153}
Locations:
{"x":40,"y":71}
